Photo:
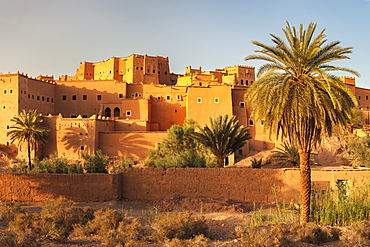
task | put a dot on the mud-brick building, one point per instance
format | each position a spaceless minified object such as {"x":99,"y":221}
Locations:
{"x":125,"y":105}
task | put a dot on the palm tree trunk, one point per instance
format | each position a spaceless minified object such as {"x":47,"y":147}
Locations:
{"x":29,"y":156}
{"x":219,"y":162}
{"x":305,"y":186}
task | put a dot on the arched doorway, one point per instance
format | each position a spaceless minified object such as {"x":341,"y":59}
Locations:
{"x":117,"y":112}
{"x":107,"y":112}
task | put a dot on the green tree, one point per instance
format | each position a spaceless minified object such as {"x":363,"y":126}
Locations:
{"x":29,"y":128}
{"x":298,"y":96}
{"x":95,"y":163}
{"x":223,"y":137}
{"x":179,"y":149}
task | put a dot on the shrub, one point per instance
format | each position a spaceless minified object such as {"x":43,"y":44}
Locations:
{"x":58,"y":217}
{"x":267,"y":236}
{"x":95,"y":163}
{"x":197,"y":241}
{"x":356,"y":235}
{"x":23,"y":231}
{"x":104,"y":220}
{"x":310,"y":233}
{"x":180,"y":225}
{"x":122,"y":163}
{"x":8,"y":211}
{"x":188,"y":158}
{"x":55,"y":164}
{"x":126,"y":234}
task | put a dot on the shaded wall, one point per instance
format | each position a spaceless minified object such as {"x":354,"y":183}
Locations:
{"x":79,"y":188}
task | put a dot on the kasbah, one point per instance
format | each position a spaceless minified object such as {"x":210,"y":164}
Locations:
{"x":124,"y":105}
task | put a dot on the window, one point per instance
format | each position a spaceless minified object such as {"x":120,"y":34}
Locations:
{"x":241,"y":82}
{"x":7,"y":127}
{"x":159,"y":98}
{"x":240,"y":151}
{"x":73,"y":116}
{"x":179,"y":97}
{"x":82,"y":148}
{"x":242,"y":104}
{"x":251,"y":122}
{"x":47,"y":99}
{"x":64,"y":97}
{"x":74,"y":97}
{"x":132,"y":95}
{"x":33,"y":96}
{"x":128,"y":113}
{"x":52,"y":100}
{"x":43,"y":98}
{"x":165,"y":72}
{"x":367,"y":97}
{"x":117,"y":112}
{"x":99,"y":97}
{"x":251,"y":82}
{"x":216,"y":100}
{"x":120,"y":95}
{"x":107,"y":112}
{"x":84,"y":97}
{"x":262,"y":122}
{"x":359,"y":97}
{"x":38,"y":97}
{"x":153,"y":71}
{"x":200,"y":84}
{"x":10,"y":91}
{"x":29,"y":96}
{"x":4,"y":107}
{"x":5,"y":91}
{"x":168,"y":97}
{"x":199,"y":100}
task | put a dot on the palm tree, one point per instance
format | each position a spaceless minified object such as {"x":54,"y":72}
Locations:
{"x":223,"y":137}
{"x":299,"y":97}
{"x":29,"y":128}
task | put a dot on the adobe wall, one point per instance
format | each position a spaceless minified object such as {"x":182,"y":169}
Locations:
{"x":239,"y":184}
{"x":78,"y":188}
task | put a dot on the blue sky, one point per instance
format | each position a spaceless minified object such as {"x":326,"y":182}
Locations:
{"x":51,"y":37}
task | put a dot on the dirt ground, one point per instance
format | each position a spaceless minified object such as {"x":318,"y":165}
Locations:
{"x":222,"y":216}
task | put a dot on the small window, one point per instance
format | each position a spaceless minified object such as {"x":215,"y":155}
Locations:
{"x":7,"y":127}
{"x":82,"y":148}
{"x":120,"y":95}
{"x":33,"y":96}
{"x":38,"y":97}
{"x":52,"y":100}
{"x":84,"y":116}
{"x":136,"y":94}
{"x":165,"y":72}
{"x":128,"y":113}
{"x":29,"y":96}
{"x":240,"y":151}
{"x":10,"y":91}
{"x":132,"y":95}
{"x":199,"y":100}
{"x":153,"y":71}
{"x":43,"y":98}
{"x":251,"y":82}
{"x":159,"y":98}
{"x":168,"y":97}
{"x":141,"y":68}
{"x":241,"y":82}
{"x":74,"y":116}
{"x":5,"y":91}
{"x":74,"y":97}
{"x":200,"y":84}
{"x":84,"y":97}
{"x":246,"y":82}
{"x":216,"y":100}
{"x":47,"y":99}
{"x":99,"y":97}
{"x":64,"y":97}
{"x":251,"y":122}
{"x":359,"y":97}
{"x":179,"y":97}
{"x":242,"y":105}
{"x":367,"y":97}
{"x":4,"y":107}
{"x":262,"y":122}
